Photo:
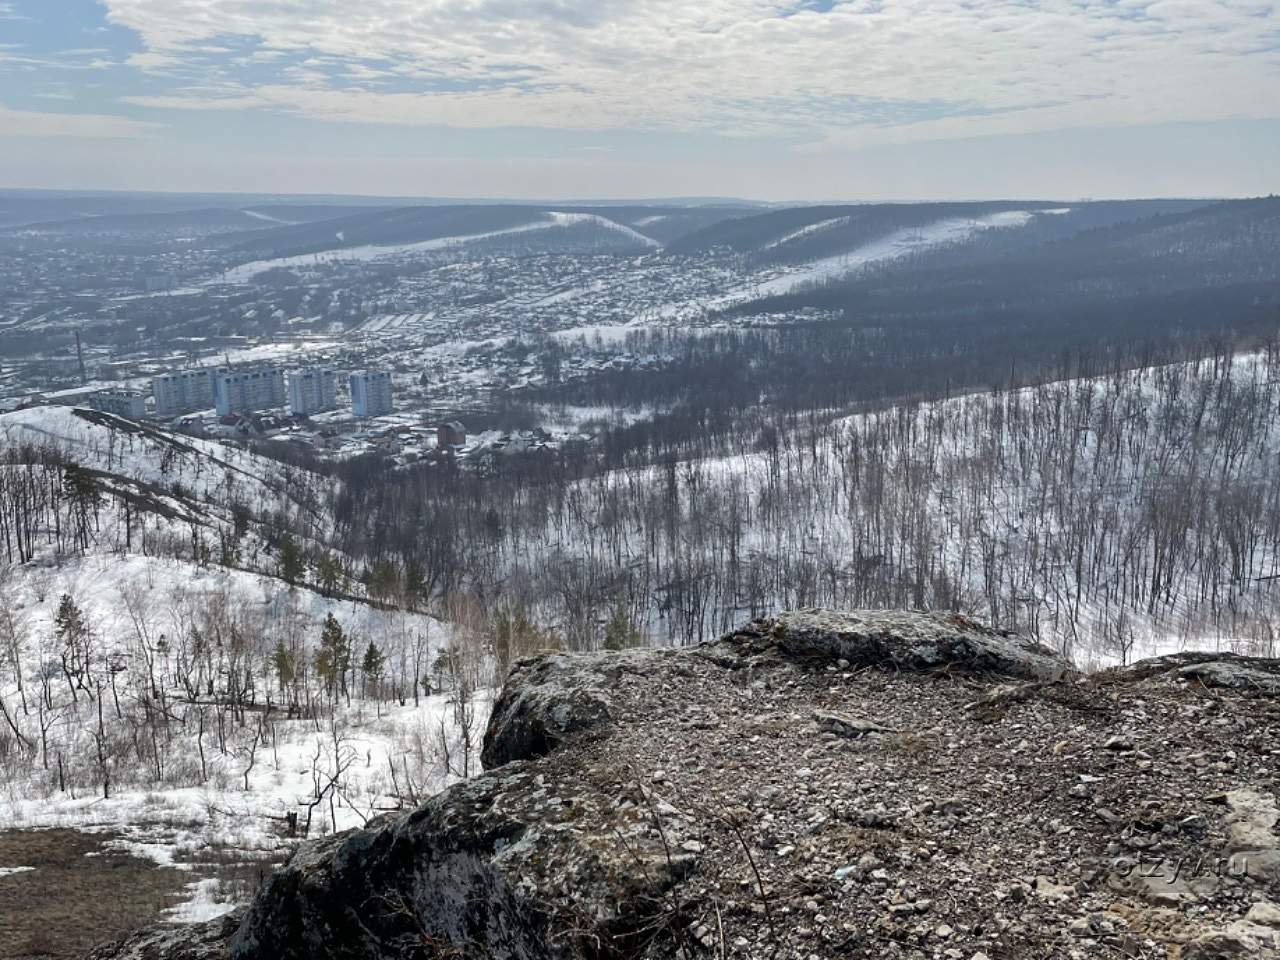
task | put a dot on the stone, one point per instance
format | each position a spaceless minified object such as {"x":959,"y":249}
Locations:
{"x":1251,"y":821}
{"x":547,"y":699}
{"x":1264,"y":914}
{"x":843,"y":725}
{"x":907,"y":640}
{"x":197,"y":941}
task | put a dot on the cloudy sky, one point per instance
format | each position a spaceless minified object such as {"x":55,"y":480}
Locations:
{"x":771,"y":99}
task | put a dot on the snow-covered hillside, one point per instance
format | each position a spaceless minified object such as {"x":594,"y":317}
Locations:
{"x":218,"y":476}
{"x":1115,"y":517}
{"x":183,"y":695}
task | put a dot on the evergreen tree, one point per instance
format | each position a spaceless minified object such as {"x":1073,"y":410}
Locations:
{"x":285,"y":664}
{"x":291,"y":565}
{"x":333,"y":659}
{"x":373,"y":665}
{"x":329,"y":574}
{"x":73,"y":643}
{"x":620,"y":633}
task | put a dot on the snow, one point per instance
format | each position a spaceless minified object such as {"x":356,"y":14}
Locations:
{"x":11,"y":871}
{"x":268,"y":218}
{"x":894,"y":245}
{"x":130,"y":602}
{"x":569,"y":219}
{"x":247,"y":271}
{"x":900,"y":243}
{"x":807,"y":231}
{"x":606,"y":333}
{"x":962,"y":489}
{"x":202,"y":905}
{"x":151,"y":457}
{"x":172,"y":826}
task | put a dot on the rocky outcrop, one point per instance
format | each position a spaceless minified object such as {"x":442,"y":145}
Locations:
{"x":512,"y":864}
{"x":197,"y":941}
{"x":903,"y":640}
{"x":1225,"y":671}
{"x":548,"y":698}
{"x":816,"y":784}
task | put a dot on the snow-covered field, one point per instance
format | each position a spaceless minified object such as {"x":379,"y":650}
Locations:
{"x":210,"y":470}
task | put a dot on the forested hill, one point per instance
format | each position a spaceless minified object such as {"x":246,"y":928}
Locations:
{"x":797,"y":234}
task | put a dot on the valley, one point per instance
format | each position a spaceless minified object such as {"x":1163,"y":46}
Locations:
{"x":610,"y":429}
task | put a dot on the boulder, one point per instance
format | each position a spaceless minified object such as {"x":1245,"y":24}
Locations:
{"x":902,"y":639}
{"x":505,"y":864}
{"x":548,"y":698}
{"x":196,"y":941}
{"x":1224,"y":671}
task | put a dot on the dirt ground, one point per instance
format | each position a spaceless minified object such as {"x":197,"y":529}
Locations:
{"x":82,"y":893}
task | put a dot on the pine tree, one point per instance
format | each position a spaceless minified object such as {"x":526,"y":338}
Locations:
{"x":285,"y":665}
{"x":333,"y":659}
{"x":329,"y":574}
{"x":373,"y":665}
{"x":620,"y":633}
{"x":73,"y":647}
{"x":291,"y":565}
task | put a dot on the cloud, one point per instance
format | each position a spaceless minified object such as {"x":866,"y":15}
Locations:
{"x":26,"y":123}
{"x":848,"y":73}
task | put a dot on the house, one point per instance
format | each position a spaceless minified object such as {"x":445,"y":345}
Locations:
{"x":451,"y":434}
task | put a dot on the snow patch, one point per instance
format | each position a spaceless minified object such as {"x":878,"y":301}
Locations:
{"x":266,"y":217}
{"x":202,"y":905}
{"x":808,"y":231}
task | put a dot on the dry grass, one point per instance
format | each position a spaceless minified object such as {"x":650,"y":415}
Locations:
{"x":84,"y":893}
{"x":80,"y":894}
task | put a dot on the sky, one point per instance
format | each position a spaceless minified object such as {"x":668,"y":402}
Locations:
{"x":765,"y":99}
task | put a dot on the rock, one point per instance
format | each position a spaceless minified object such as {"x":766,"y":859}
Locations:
{"x":548,"y":698}
{"x":484,"y":863}
{"x":843,"y":725}
{"x":1163,"y":885}
{"x":1240,"y":939}
{"x":907,"y":640}
{"x":197,"y":941}
{"x":1260,"y":865}
{"x":1251,"y":822}
{"x":1046,"y":889}
{"x":1226,"y":671}
{"x":1264,"y":914}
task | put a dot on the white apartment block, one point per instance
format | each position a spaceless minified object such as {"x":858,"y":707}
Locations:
{"x":184,"y":391}
{"x":370,"y":393}
{"x":247,"y":391}
{"x":312,"y":390}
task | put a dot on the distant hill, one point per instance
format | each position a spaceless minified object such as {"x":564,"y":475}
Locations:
{"x":616,"y":228}
{"x":797,"y":234}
